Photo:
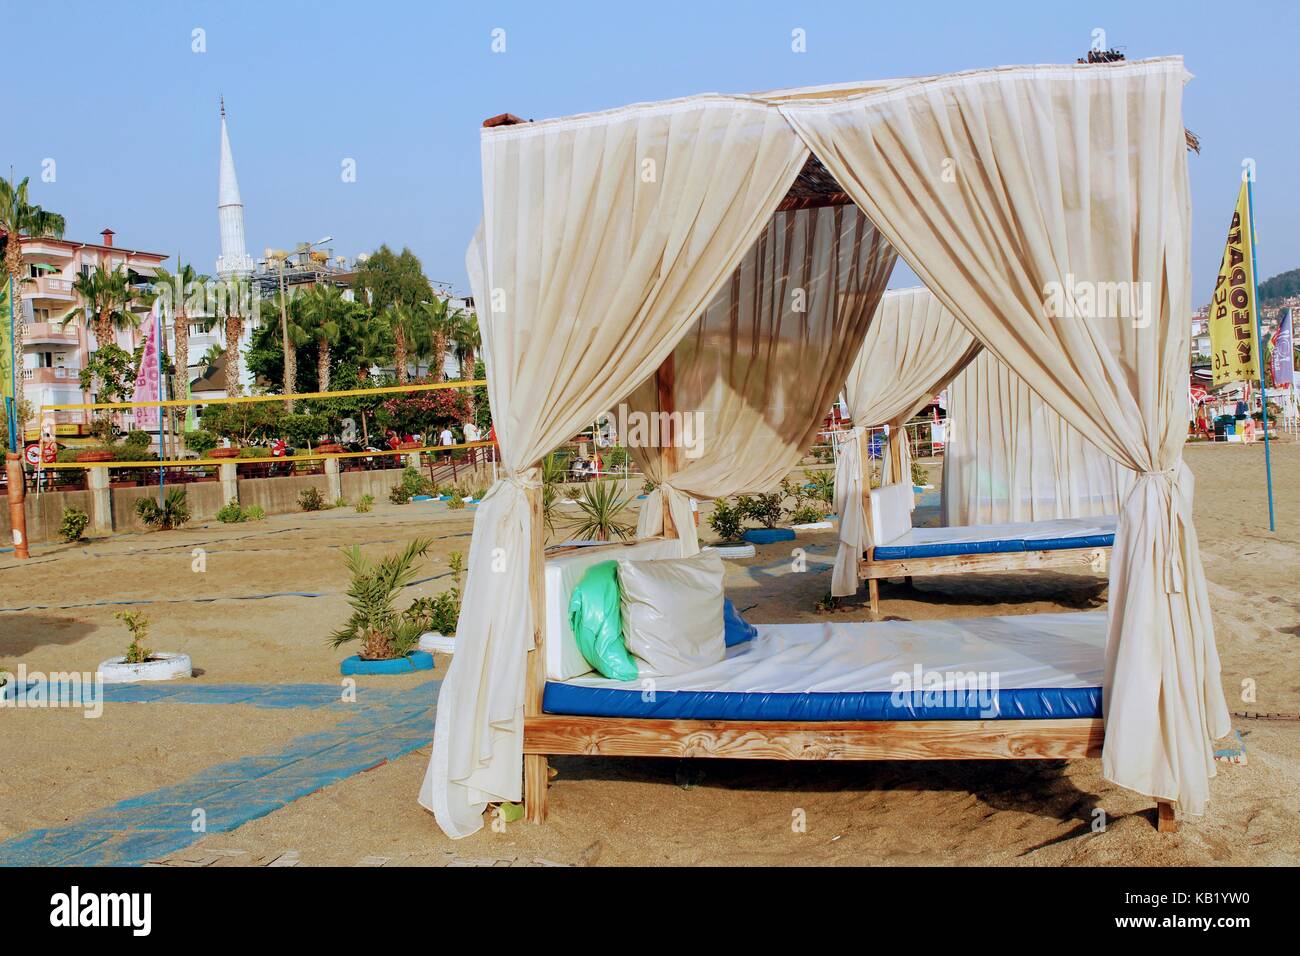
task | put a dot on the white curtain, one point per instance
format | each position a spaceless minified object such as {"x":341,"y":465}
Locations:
{"x":1048,"y":208}
{"x":603,"y":237}
{"x":1008,"y":457}
{"x":756,"y":374}
{"x":912,"y":348}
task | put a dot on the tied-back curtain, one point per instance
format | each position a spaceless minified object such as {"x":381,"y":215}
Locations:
{"x":602,"y":238}
{"x":753,"y":378}
{"x":1048,"y":209}
{"x":912,"y":348}
{"x":1008,"y":457}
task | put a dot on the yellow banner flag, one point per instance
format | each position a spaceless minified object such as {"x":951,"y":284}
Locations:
{"x":1232,"y":310}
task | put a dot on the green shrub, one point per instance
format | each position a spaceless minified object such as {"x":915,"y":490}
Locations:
{"x":807,"y":514}
{"x":727,"y":520}
{"x":73,"y":525}
{"x":440,"y":613}
{"x":364,"y":503}
{"x":139,"y":440}
{"x":310,"y":499}
{"x":173,"y":512}
{"x":919,"y":474}
{"x":255,"y":513}
{"x":764,"y":508}
{"x":455,"y":502}
{"x":231,"y":512}
{"x":822,"y":487}
{"x":340,"y":502}
{"x":200,"y":441}
{"x":413,"y":483}
{"x":138,"y":625}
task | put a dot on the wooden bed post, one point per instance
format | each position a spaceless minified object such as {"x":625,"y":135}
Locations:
{"x":1166,"y":822}
{"x":665,"y":382}
{"x":535,"y":770}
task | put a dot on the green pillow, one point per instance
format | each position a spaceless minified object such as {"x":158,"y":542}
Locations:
{"x":597,"y":618}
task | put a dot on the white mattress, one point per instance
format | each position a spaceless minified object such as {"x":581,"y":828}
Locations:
{"x":1015,"y":531}
{"x":1064,"y":650}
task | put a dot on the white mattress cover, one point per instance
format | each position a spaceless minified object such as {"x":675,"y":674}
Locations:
{"x":1024,"y":651}
{"x":1027,"y":530}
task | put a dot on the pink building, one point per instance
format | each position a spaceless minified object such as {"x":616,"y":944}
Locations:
{"x":54,"y":352}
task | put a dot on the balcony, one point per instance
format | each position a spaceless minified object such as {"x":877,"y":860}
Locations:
{"x":49,"y":290}
{"x":60,"y":375}
{"x":49,"y":333}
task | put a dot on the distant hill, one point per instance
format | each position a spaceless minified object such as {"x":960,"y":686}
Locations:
{"x":1279,"y":287}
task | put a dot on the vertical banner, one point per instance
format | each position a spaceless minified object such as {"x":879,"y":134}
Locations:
{"x":147,"y":377}
{"x":1233,"y":340}
{"x":1284,"y":352}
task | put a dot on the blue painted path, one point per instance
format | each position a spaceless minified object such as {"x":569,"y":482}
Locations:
{"x":159,"y":823}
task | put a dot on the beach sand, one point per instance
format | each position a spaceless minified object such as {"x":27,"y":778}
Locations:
{"x":272,"y":591}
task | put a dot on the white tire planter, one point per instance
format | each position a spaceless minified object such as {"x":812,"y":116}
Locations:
{"x":732,"y":550}
{"x":432,"y":641}
{"x":116,"y":670}
{"x":812,"y":526}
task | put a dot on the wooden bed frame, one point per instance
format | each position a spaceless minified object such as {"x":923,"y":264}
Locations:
{"x":873,"y":571}
{"x":562,"y":735}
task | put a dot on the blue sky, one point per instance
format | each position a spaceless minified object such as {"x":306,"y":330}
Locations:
{"x":116,"y":96}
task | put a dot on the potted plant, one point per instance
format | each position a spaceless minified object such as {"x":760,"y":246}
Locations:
{"x":139,"y":663}
{"x":96,"y":454}
{"x":601,"y":505}
{"x":728,"y":522}
{"x":767,"y":510}
{"x":231,"y":452}
{"x":439,"y":614}
{"x":388,"y":637}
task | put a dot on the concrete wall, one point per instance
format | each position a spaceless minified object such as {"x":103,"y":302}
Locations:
{"x":202,"y":497}
{"x":377,"y":483}
{"x":44,"y":514}
{"x":279,"y":495}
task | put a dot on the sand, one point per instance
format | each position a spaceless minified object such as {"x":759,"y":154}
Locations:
{"x":635,"y":811}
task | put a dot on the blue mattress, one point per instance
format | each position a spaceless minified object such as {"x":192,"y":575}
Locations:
{"x":1032,"y":703}
{"x":1000,"y":539}
{"x":1033,"y":666}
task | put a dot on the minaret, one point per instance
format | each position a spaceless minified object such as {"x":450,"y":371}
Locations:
{"x":234,"y":260}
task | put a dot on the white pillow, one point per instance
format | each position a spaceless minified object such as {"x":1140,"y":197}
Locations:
{"x":672,"y":613}
{"x":891,"y":512}
{"x":563,"y":572}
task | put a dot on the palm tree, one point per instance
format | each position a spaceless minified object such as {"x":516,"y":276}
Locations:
{"x":413,"y":335}
{"x":443,"y":321}
{"x":371,"y":338}
{"x":181,"y":283}
{"x":107,"y":297}
{"x":19,"y":218}
{"x":231,"y":306}
{"x":466,"y":341}
{"x":323,"y":312}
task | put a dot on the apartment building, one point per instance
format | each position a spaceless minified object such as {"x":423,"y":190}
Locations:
{"x":55,"y":350}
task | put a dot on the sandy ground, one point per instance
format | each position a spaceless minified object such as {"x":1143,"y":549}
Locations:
{"x":634,"y":811}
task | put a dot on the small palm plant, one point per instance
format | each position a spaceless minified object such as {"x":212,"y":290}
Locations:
{"x":172,"y":513}
{"x":601,"y":504}
{"x":385,"y":634}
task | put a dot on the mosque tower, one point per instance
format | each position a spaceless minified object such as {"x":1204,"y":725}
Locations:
{"x":234,"y":261}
